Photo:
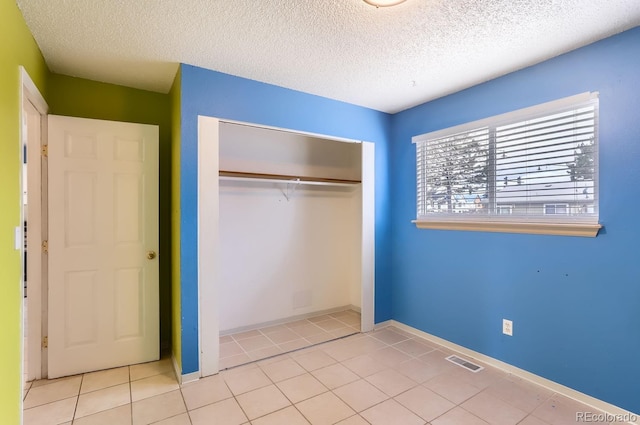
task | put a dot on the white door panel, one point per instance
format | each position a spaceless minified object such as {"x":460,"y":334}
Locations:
{"x":103,"y":220}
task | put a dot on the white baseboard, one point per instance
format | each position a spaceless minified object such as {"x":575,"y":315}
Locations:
{"x":183,"y":379}
{"x":521,"y":373}
{"x":386,"y":323}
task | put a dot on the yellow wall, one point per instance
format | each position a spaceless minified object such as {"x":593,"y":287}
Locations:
{"x":17,"y":47}
{"x":175,"y":211}
{"x":82,"y":98}
{"x":90,"y":99}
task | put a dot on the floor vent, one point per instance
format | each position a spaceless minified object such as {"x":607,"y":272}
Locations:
{"x":465,"y":364}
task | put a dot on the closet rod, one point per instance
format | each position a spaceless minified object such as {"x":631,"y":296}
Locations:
{"x":282,"y":178}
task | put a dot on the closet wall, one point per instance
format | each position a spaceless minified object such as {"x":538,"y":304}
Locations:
{"x":287,"y":249}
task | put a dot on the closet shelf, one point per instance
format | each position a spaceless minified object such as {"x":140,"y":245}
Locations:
{"x":282,"y":178}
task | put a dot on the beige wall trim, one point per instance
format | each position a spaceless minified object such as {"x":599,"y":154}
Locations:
{"x":565,"y":229}
{"x":521,"y":373}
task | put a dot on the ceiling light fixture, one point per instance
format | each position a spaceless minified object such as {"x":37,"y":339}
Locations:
{"x":383,"y":3}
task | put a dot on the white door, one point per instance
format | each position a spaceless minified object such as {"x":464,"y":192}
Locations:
{"x":103,"y":239}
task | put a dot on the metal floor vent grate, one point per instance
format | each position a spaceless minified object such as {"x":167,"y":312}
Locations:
{"x":465,"y":363}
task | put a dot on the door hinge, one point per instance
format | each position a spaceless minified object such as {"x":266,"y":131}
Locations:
{"x":45,"y":342}
{"x":45,"y":247}
{"x":45,"y":150}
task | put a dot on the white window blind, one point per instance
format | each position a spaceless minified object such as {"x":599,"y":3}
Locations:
{"x":541,"y":162}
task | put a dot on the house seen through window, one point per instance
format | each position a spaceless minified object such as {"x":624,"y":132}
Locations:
{"x":539,"y":164}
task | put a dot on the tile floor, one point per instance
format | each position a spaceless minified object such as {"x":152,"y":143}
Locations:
{"x":384,"y":377}
{"x":244,"y":347}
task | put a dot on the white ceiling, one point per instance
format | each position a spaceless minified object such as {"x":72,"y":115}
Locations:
{"x":387,"y":59}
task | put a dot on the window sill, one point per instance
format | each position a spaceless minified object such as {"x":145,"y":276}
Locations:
{"x":566,"y":229}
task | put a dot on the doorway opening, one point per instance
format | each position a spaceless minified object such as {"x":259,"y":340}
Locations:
{"x":34,"y":228}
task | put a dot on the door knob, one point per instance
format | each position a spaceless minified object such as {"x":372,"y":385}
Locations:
{"x":151,"y":255}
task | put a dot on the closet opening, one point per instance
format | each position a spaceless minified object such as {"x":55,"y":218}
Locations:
{"x":291,"y":215}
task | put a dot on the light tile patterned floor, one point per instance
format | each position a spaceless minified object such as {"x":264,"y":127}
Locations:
{"x":244,"y":347}
{"x":384,"y":377}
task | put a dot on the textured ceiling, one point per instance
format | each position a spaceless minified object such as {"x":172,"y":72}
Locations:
{"x":387,"y":59}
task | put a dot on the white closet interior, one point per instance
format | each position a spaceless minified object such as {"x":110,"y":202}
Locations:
{"x":290,"y":226}
{"x":286,"y":230}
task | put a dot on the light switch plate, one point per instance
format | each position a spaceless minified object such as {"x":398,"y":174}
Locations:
{"x":18,"y":238}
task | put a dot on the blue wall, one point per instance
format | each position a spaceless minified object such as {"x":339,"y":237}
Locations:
{"x":575,"y":302}
{"x":220,"y":95}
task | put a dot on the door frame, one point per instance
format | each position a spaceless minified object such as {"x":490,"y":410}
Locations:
{"x":208,"y":246}
{"x":37,"y":230}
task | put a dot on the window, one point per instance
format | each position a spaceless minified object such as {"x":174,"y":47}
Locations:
{"x":557,"y":209}
{"x":504,"y":209}
{"x":537,"y":167}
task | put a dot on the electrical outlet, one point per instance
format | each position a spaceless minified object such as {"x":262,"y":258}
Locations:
{"x":507,"y":327}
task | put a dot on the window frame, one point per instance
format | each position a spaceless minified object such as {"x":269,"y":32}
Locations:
{"x":587,"y":227}
{"x":501,"y":207}
{"x":555,"y":205}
